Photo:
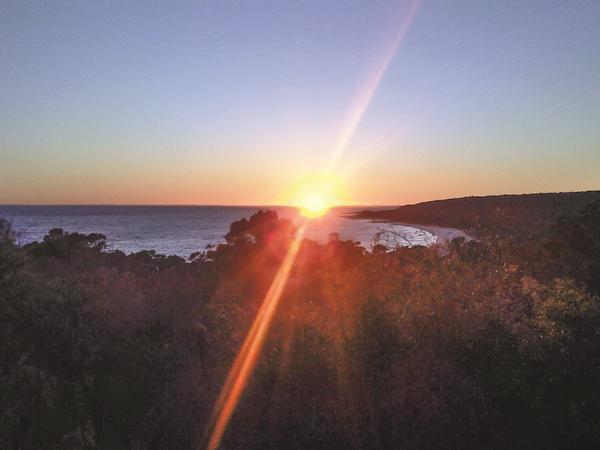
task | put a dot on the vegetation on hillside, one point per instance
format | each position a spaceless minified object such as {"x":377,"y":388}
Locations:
{"x":491,"y":344}
{"x":526,"y":214}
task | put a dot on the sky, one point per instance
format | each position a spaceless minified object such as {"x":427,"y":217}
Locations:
{"x":238,"y":102}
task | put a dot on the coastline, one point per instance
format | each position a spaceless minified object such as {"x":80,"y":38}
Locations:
{"x":443,"y":234}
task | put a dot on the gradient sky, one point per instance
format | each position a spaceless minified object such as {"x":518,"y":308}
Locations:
{"x":227,"y":102}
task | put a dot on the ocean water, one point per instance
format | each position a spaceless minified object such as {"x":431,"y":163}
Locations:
{"x":182,"y":230}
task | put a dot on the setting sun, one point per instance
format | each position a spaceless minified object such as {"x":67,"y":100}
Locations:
{"x":314,"y":205}
{"x":316,"y":195}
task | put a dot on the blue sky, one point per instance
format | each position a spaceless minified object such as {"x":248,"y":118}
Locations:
{"x":233,"y":102}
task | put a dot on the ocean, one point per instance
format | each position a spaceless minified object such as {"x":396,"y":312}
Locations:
{"x":182,"y":230}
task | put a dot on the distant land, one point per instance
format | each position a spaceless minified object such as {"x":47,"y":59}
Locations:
{"x":526,"y":214}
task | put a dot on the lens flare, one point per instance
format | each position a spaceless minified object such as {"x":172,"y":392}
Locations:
{"x":313,"y":199}
{"x":366,"y":94}
{"x":247,"y":357}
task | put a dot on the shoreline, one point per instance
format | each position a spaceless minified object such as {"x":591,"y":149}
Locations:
{"x":443,"y":234}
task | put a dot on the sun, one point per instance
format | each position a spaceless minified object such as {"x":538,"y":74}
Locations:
{"x":317,"y":195}
{"x":314,"y":205}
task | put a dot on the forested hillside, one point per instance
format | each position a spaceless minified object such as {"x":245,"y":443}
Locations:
{"x":528,"y":214}
{"x":489,"y":344}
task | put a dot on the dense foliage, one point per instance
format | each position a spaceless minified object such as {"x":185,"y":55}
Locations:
{"x":526,"y":214}
{"x":488,"y":344}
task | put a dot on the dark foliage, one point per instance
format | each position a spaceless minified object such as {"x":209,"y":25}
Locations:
{"x":527,"y":214}
{"x":491,"y":344}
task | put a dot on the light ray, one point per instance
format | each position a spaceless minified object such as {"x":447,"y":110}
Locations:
{"x":369,"y":154}
{"x":247,"y":357}
{"x":364,"y":97}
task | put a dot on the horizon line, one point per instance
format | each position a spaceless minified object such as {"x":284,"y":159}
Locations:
{"x":279,"y":205}
{"x":205,"y":205}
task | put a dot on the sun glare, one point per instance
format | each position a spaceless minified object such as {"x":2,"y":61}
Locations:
{"x":314,"y":205}
{"x":315,"y":196}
